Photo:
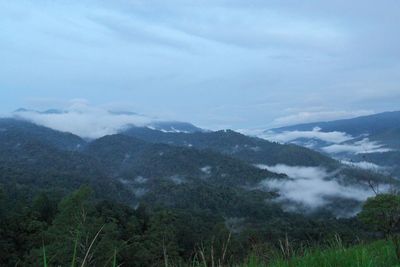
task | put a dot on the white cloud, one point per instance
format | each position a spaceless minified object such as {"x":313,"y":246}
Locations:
{"x":206,"y":170}
{"x":141,"y":180}
{"x":311,"y":186}
{"x":313,"y":116}
{"x":364,"y":165}
{"x":84,"y":120}
{"x":177,"y":179}
{"x":287,"y":136}
{"x":363,"y":146}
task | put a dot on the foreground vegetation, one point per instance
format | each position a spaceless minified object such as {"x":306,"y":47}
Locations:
{"x":381,"y":253}
{"x":377,"y":254}
{"x":80,"y":231}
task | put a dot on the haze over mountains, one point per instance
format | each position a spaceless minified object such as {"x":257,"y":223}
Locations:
{"x":141,"y":161}
{"x":371,"y":142}
{"x":93,"y":122}
{"x":242,"y":184}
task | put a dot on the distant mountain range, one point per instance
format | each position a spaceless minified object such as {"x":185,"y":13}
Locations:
{"x":48,"y":111}
{"x":181,"y":166}
{"x":384,"y":127}
{"x":369,"y":141}
{"x":102,"y":121}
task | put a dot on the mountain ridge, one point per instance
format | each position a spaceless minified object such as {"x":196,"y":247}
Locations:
{"x":376,"y":122}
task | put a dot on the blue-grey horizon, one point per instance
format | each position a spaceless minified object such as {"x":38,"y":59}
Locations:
{"x":215,"y":63}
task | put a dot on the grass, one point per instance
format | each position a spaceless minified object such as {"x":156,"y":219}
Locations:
{"x":377,"y":254}
{"x":44,"y":257}
{"x":74,"y":258}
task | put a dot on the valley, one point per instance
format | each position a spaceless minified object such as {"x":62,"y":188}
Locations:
{"x":244,"y":184}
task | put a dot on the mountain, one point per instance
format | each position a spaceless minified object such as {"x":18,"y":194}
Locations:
{"x":249,"y":149}
{"x":32,"y":164}
{"x":145,"y":195}
{"x":323,"y":179}
{"x":48,"y":111}
{"x":362,"y":141}
{"x":25,"y":130}
{"x":102,"y":121}
{"x":180,"y":177}
{"x":226,"y":172}
{"x":371,"y":124}
{"x":381,"y":127}
{"x":130,"y":158}
{"x":175,"y":127}
{"x":124,"y":169}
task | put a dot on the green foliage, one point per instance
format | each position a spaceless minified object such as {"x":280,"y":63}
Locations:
{"x":78,"y":224}
{"x":44,"y":207}
{"x":382,"y":213}
{"x":20,"y":232}
{"x":44,"y":257}
{"x":379,"y":254}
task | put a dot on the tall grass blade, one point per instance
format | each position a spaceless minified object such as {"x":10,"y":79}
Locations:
{"x":90,"y":247}
{"x":115,"y":258}
{"x":73,"y":264}
{"x":44,"y":257}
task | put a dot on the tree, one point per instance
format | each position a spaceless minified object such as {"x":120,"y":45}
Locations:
{"x":45,"y":207}
{"x":72,"y":223}
{"x":382,"y":213}
{"x":82,"y":232}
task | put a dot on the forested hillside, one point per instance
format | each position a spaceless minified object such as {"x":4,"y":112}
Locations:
{"x":146,"y":198}
{"x":250,"y":149}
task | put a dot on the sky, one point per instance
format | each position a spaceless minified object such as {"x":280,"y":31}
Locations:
{"x":218,"y":64}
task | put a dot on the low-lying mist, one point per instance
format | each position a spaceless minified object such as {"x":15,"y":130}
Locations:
{"x":332,"y":142}
{"x":85,"y":120}
{"x":311,"y":187}
{"x":316,"y":133}
{"x":363,"y":146}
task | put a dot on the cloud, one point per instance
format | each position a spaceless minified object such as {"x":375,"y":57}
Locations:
{"x":363,"y":146}
{"x":188,"y":57}
{"x":316,"y":133}
{"x":364,"y":165}
{"x":312,"y":187}
{"x":315,"y":116}
{"x":84,"y":120}
{"x":339,"y":142}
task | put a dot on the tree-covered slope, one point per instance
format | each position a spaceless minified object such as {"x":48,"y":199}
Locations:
{"x":130,"y":157}
{"x":250,"y":149}
{"x":30,"y":164}
{"x":128,"y":170}
{"x":27,"y":130}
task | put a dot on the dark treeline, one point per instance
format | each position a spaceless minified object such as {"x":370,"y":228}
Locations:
{"x":143,"y":236}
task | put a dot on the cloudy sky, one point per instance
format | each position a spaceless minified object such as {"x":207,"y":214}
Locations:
{"x":218,"y":64}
